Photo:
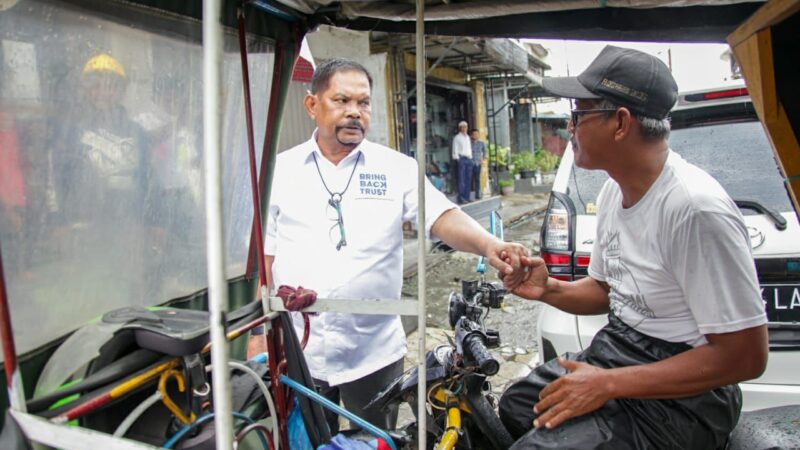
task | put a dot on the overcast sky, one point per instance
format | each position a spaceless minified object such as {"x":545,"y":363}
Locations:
{"x":694,"y":66}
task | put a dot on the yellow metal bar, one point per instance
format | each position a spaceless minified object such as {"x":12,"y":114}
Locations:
{"x":452,"y":427}
{"x":139,"y":380}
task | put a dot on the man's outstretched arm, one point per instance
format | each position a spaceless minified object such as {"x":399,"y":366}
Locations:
{"x":463,"y":233}
{"x":583,"y":297}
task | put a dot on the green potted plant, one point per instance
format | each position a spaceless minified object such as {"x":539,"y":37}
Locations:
{"x":525,"y":163}
{"x":506,"y":186}
{"x":545,"y":161}
{"x":498,"y":160}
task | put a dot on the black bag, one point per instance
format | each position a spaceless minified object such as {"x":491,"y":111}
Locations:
{"x":701,"y":422}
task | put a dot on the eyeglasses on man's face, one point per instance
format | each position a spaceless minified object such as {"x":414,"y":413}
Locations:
{"x":577,"y":113}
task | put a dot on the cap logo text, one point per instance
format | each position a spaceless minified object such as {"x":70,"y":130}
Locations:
{"x":641,"y":96}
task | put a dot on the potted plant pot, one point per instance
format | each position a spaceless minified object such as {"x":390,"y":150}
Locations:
{"x":506,"y":186}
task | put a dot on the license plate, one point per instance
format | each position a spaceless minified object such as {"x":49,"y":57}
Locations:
{"x":782,"y":302}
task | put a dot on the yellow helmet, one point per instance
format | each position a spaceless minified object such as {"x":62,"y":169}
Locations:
{"x":104,"y":63}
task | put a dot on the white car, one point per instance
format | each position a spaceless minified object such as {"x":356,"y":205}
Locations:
{"x":718,"y":131}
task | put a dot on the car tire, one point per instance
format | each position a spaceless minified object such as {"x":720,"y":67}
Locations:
{"x":548,"y":350}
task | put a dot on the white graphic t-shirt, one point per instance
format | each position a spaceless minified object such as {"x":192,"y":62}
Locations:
{"x":678,"y":262}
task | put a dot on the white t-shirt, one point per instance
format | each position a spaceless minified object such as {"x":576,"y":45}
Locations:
{"x":302,"y":234}
{"x":678,"y":262}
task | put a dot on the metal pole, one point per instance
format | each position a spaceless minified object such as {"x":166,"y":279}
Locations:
{"x":494,"y":137}
{"x":215,"y":253}
{"x":422,"y":386}
{"x":13,"y":377}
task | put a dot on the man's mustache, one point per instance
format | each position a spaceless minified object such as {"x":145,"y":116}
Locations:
{"x":351,"y":124}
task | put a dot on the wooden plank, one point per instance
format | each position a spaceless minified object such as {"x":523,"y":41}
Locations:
{"x":755,"y":56}
{"x":72,"y":438}
{"x":774,"y":11}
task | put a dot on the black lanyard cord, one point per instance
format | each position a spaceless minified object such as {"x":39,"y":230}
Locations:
{"x":334,"y":194}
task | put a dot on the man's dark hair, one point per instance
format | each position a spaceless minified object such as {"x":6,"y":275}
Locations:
{"x":473,"y":130}
{"x":323,"y":74}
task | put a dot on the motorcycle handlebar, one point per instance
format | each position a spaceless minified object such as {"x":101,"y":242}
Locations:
{"x":478,"y":350}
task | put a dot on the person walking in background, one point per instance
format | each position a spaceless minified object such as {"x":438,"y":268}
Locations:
{"x":462,"y":153}
{"x":478,"y":156}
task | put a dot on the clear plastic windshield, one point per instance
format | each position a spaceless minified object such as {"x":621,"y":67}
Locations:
{"x":101,"y":161}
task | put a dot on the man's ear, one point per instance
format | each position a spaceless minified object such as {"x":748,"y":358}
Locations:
{"x":310,"y":102}
{"x":624,"y":124}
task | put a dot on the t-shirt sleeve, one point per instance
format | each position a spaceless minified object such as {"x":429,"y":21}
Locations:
{"x":711,"y":259}
{"x":596,"y":268}
{"x":436,"y":203}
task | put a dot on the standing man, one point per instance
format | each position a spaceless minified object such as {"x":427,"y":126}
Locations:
{"x":462,"y":152}
{"x":478,"y":155}
{"x":671,"y":266}
{"x":335,"y":226}
{"x":101,"y":183}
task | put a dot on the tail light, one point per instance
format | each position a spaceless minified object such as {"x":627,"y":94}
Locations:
{"x":556,"y":259}
{"x":557,"y":241}
{"x":556,"y":227}
{"x":582,"y":260}
{"x":581,"y":265}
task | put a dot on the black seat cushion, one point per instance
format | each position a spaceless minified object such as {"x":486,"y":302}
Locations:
{"x":770,"y":428}
{"x":175,"y":332}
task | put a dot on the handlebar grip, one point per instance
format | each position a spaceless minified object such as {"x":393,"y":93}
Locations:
{"x":488,"y":365}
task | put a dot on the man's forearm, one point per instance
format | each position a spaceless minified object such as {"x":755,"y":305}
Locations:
{"x":731,"y":358}
{"x":461,"y":232}
{"x":583,"y":297}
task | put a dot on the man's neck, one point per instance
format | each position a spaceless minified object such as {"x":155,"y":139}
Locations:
{"x":637,"y":173}
{"x":334,"y":153}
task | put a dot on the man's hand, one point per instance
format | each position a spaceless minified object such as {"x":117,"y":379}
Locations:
{"x":507,"y":258}
{"x":583,"y":390}
{"x":533,"y":279}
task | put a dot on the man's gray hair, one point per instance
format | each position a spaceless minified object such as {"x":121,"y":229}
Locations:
{"x":462,"y":124}
{"x":324,"y":72}
{"x":652,"y":129}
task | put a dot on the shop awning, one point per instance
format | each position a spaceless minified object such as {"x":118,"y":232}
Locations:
{"x":477,"y":57}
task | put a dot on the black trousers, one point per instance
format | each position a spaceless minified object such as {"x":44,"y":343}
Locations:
{"x":357,"y":394}
{"x":700,"y":422}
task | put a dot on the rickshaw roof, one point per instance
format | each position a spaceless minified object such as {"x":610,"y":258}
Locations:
{"x":614,"y":20}
{"x":634,"y":20}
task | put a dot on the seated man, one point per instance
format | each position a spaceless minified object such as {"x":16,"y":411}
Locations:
{"x":672,"y":267}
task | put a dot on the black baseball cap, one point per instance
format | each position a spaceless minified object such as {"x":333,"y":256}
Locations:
{"x":626,"y":77}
